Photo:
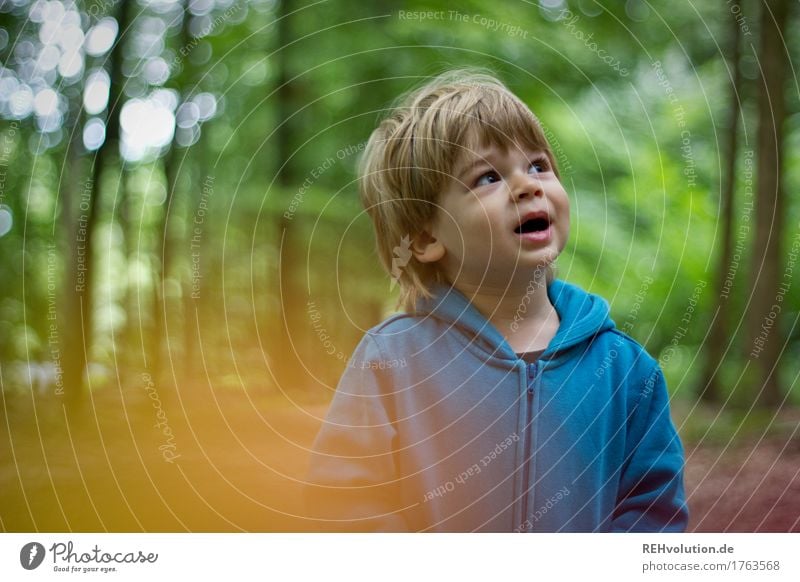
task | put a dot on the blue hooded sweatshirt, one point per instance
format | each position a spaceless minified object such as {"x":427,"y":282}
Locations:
{"x":438,"y":425}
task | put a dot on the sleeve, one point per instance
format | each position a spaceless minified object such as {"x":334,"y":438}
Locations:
{"x":352,"y":482}
{"x":651,"y":494}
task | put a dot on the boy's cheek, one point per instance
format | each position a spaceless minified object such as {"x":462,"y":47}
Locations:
{"x":565,"y":228}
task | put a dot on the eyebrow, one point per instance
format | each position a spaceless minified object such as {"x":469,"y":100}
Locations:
{"x":477,"y":161}
{"x":470,"y":166}
{"x":472,"y":163}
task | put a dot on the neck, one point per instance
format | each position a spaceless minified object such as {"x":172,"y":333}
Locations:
{"x":523,"y":313}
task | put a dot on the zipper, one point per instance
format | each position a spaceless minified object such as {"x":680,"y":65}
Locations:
{"x":531,"y":377}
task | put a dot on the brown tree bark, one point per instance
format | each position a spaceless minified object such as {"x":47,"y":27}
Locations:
{"x":68,"y":330}
{"x":719,"y":341}
{"x":286,"y":326}
{"x":765,"y":336}
{"x":81,"y":332}
{"x":165,"y":241}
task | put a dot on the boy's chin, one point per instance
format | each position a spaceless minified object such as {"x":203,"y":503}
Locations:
{"x":533,"y":259}
{"x":523,"y":272}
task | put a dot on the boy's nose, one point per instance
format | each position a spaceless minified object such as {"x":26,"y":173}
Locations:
{"x":526,"y":186}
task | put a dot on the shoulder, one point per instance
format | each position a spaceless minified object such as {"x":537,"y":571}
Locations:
{"x":421,"y":338}
{"x":404,"y":329}
{"x":630,"y":348}
{"x":392,"y":336}
{"x":624,"y":361}
{"x":396,"y":323}
{"x":389,"y":348}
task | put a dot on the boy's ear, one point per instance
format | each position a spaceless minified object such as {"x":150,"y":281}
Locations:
{"x":427,"y":248}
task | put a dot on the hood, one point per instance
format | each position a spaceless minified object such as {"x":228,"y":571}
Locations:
{"x":582,"y":314}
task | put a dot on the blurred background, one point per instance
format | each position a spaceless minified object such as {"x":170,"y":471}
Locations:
{"x":186,"y":268}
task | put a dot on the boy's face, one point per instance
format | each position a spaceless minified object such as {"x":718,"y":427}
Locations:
{"x":503,"y":214}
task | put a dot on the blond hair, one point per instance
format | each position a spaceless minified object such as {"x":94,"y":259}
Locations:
{"x":411,"y":157}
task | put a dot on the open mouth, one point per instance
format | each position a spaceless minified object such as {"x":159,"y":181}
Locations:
{"x":537,"y":224}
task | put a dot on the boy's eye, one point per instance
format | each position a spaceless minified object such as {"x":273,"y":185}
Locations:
{"x":539,"y":165}
{"x":487,"y":178}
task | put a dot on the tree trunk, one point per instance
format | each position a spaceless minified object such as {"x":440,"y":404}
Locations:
{"x":194,"y":299}
{"x":769,"y":287}
{"x":285,"y":329}
{"x":283,"y":96}
{"x":105,"y":156}
{"x":68,"y":325}
{"x":719,"y":340}
{"x":128,"y":340}
{"x":165,"y":241}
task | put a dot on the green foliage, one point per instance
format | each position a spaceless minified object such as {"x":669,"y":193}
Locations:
{"x":644,"y":207}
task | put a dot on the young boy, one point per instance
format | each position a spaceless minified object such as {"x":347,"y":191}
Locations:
{"x":503,"y":399}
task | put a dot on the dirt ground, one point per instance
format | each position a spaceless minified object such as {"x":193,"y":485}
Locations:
{"x":746,"y":488}
{"x":238,"y":459}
